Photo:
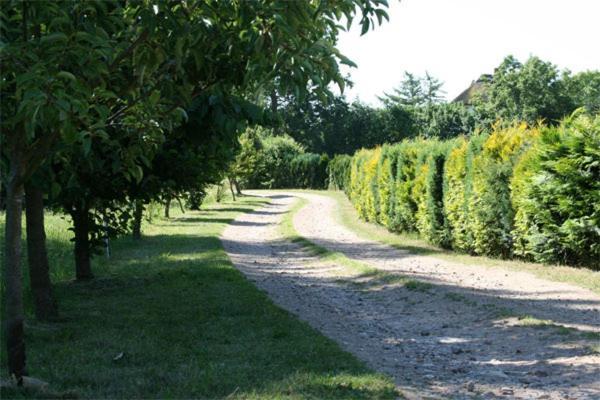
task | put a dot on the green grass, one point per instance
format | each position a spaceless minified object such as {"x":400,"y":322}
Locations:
{"x":529,"y":321}
{"x":532,"y":322}
{"x":348,"y":217}
{"x":418,"y":286}
{"x":189,"y":325}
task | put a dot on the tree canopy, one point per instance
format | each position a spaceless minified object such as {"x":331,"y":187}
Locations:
{"x":108,"y":84}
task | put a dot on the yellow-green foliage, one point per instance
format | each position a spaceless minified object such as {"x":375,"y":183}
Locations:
{"x":363,"y":183}
{"x":371,"y":196}
{"x":509,"y":192}
{"x":427,"y":192}
{"x":384,"y":180}
{"x":523,"y":173}
{"x":403,"y":217}
{"x":418,"y":195}
{"x":357,"y":181}
{"x":492,"y":213}
{"x":455,"y":199}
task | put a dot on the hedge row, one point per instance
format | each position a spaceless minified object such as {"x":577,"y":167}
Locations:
{"x":522,"y":192}
{"x":308,"y":171}
{"x":339,"y":171}
{"x":300,"y":171}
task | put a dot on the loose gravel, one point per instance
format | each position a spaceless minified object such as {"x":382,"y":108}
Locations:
{"x":440,"y":329}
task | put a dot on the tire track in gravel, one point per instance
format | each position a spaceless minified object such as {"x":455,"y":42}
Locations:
{"x":444,"y":339}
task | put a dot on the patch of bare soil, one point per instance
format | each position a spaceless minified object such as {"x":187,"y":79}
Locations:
{"x":442,"y":330}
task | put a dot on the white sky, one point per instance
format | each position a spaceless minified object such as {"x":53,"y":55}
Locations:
{"x":458,"y":40}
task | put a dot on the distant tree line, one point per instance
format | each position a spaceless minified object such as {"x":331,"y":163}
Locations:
{"x":531,"y":91}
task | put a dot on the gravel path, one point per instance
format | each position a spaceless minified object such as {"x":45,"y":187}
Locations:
{"x":457,"y":335}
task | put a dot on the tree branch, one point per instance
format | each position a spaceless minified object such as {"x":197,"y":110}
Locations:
{"x":142,"y":38}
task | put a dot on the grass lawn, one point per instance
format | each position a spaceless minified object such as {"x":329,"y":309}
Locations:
{"x":169,"y":317}
{"x":347,"y":216}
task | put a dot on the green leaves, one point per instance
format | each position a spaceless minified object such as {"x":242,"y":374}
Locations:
{"x":556,"y":191}
{"x":66,"y":75}
{"x":54,"y":38}
{"x":109,"y":84}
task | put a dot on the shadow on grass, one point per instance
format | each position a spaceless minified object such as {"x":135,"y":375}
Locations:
{"x":478,"y":329}
{"x":169,"y":317}
{"x":230,"y":221}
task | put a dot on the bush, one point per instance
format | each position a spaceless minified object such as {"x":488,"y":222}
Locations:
{"x":339,"y":172}
{"x":273,"y":164}
{"x":490,"y":202}
{"x":388,"y":213}
{"x":383,"y":185}
{"x":404,"y":210}
{"x":360,"y":181}
{"x":279,"y":162}
{"x":308,"y":171}
{"x":369,"y":191}
{"x":510,"y":192}
{"x":429,"y":184}
{"x":557,"y":195}
{"x":455,"y":199}
{"x":458,"y":186}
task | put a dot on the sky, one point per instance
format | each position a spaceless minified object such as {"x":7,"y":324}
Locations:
{"x":457,"y":41}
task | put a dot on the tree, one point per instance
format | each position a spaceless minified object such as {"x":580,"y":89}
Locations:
{"x":340,"y":127}
{"x":432,"y":89}
{"x":247,"y":159}
{"x":584,"y":90}
{"x":76,"y":72}
{"x":415,"y":91}
{"x":527,"y":92}
{"x":445,"y":120}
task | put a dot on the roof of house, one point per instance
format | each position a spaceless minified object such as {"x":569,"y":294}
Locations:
{"x":477,"y":86}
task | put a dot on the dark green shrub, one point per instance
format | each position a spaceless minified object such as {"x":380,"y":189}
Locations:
{"x":273,"y":164}
{"x":308,"y":171}
{"x":384,"y":185}
{"x":195,"y":198}
{"x":432,"y":223}
{"x":389,"y":216}
{"x":402,"y":217}
{"x":339,"y":172}
{"x":557,"y":195}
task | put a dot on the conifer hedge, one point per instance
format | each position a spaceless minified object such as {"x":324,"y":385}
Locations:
{"x":517,"y":191}
{"x":338,"y":170}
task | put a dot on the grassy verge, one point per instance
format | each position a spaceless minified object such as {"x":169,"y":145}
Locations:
{"x":348,"y":217}
{"x":357,"y":273}
{"x":169,"y":317}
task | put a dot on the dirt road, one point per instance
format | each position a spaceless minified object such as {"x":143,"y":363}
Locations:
{"x":441,"y":329}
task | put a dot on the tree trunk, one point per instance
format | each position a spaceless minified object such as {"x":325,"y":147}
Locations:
{"x":137,"y":219}
{"x":180,"y":205}
{"x":236,"y":184}
{"x":13,"y":301}
{"x":39,"y":270}
{"x":167,"y":207}
{"x":231,"y":188}
{"x":81,"y":225}
{"x":274,"y":102}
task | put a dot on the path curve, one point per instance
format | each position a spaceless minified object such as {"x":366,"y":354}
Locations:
{"x":449,"y":340}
